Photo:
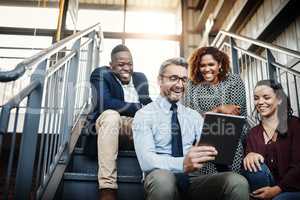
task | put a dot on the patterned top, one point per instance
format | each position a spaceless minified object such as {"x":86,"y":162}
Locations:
{"x":204,"y":97}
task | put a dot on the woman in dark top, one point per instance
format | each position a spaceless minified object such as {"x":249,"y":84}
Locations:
{"x":272,"y":162}
{"x":213,"y":88}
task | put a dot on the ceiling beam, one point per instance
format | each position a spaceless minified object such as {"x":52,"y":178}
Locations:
{"x":121,"y":6}
{"x":221,"y":14}
{"x":28,"y":3}
{"x":94,"y":6}
{"x":27,"y":31}
{"x":200,"y":4}
{"x":112,"y":35}
{"x":208,"y":9}
{"x":153,"y":36}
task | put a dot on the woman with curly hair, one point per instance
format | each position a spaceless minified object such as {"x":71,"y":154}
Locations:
{"x":213,"y":88}
{"x":272,"y":162}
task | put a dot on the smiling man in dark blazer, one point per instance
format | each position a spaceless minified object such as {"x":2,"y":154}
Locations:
{"x":118,"y":93}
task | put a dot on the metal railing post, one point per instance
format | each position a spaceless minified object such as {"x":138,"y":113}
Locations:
{"x":30,"y":136}
{"x":234,"y":56}
{"x":91,"y":62}
{"x":98,"y":47}
{"x":69,"y":100}
{"x":91,"y":52}
{"x":271,"y":67}
{"x":1,"y":141}
{"x":97,"y":55}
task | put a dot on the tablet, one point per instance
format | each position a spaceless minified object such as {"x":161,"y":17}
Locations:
{"x":223,"y":132}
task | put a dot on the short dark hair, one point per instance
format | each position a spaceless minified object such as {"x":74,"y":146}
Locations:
{"x":173,"y":61}
{"x":118,"y":49}
{"x":195,"y":63}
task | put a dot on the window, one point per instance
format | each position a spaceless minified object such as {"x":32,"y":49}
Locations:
{"x":110,"y":20}
{"x":152,"y":22}
{"x":19,"y":41}
{"x":28,"y":17}
{"x":148,"y":56}
{"x":108,"y":45}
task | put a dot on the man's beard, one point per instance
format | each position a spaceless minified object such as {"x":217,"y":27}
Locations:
{"x":168,"y":94}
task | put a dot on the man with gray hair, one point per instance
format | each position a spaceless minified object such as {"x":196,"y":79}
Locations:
{"x":165,"y":133}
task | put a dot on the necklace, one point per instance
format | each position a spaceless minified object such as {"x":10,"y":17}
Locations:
{"x":270,"y":134}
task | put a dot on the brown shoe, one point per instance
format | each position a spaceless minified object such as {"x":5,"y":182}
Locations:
{"x":108,"y":194}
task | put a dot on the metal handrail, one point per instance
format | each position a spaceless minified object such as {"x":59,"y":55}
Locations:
{"x":13,"y":74}
{"x":253,"y":66}
{"x":13,"y":103}
{"x":282,"y":67}
{"x":53,"y":108}
{"x":266,"y":45}
{"x":22,"y":48}
{"x":20,"y":69}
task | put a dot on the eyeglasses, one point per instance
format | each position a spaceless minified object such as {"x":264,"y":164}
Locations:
{"x":175,"y":78}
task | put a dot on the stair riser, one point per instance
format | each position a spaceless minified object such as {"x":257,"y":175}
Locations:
{"x":83,"y":164}
{"x":78,"y":190}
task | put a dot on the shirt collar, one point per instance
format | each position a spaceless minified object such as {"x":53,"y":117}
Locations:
{"x":166,"y":105}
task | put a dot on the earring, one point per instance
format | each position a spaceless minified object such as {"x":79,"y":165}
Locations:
{"x":221,"y":70}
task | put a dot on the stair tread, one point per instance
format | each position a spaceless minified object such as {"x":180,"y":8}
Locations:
{"x":121,"y":153}
{"x":126,"y":165}
{"x":93,"y":177}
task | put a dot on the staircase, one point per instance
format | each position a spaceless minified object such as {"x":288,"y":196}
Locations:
{"x":80,"y":179}
{"x":40,"y":125}
{"x":41,"y":136}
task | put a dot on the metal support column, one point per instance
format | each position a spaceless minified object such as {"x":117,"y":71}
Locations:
{"x":234,"y":56}
{"x":29,"y":137}
{"x":271,"y":67}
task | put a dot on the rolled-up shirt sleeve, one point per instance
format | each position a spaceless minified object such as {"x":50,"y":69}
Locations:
{"x":144,"y":144}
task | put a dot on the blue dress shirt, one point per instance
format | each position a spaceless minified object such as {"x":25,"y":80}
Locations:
{"x":152,"y":134}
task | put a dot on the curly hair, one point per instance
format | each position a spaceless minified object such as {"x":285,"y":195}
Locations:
{"x":195,"y":63}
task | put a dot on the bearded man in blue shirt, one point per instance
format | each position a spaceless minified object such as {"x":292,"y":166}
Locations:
{"x":164,"y":134}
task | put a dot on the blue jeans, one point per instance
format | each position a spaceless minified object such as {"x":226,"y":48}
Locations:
{"x":259,"y":179}
{"x":288,"y":196}
{"x":265,"y":178}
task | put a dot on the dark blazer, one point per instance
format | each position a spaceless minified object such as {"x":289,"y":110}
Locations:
{"x":107,"y":93}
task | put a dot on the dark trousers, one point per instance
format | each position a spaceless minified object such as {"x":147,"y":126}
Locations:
{"x":162,"y":185}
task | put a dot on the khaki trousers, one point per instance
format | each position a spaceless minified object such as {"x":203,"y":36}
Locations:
{"x":161,"y":185}
{"x":109,"y":126}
